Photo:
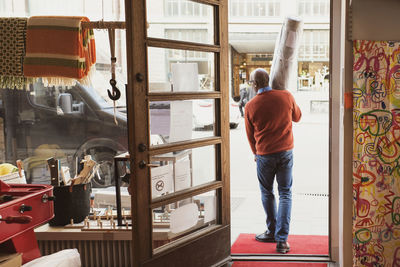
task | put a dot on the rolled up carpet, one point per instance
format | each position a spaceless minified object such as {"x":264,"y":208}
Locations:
{"x":285,"y":53}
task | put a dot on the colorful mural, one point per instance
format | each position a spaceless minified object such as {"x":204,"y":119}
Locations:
{"x":376,"y":153}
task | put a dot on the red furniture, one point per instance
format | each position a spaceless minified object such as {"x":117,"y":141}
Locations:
{"x":31,"y":206}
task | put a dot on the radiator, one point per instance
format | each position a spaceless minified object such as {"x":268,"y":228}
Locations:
{"x":94,"y":253}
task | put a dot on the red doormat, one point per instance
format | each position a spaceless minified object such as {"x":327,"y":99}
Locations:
{"x":277,"y":264}
{"x":299,"y":244}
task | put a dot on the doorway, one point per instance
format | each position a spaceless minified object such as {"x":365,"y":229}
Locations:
{"x":310,"y":88}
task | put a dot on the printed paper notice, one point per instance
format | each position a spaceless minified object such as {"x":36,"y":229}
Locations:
{"x":182,"y":175}
{"x":161,"y":180}
{"x":181,"y":121}
{"x":185,"y":77}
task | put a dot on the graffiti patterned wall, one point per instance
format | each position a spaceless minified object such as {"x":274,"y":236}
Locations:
{"x":376,"y":153}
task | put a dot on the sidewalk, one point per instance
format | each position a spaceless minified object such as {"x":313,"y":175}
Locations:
{"x":310,"y":176}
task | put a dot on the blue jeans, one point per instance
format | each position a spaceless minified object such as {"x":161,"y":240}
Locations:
{"x":277,"y":165}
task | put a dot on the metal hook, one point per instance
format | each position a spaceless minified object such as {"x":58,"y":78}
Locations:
{"x":116,"y":94}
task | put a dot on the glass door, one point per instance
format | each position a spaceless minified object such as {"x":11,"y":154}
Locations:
{"x":178,"y":100}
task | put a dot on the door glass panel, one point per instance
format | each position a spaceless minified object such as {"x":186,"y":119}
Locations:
{"x":176,"y":171}
{"x":177,"y":13}
{"x":174,"y":70}
{"x":176,"y":220}
{"x":176,"y":121}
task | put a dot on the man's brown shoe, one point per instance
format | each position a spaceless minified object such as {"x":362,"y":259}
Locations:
{"x":266,"y":237}
{"x":282,"y":247}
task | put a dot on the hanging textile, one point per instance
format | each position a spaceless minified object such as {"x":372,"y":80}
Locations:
{"x":12,"y":47}
{"x":376,"y":153}
{"x":59,"y":50}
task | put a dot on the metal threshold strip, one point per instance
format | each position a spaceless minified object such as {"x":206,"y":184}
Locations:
{"x":283,"y":258}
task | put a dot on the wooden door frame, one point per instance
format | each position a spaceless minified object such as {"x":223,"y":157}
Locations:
{"x":207,"y":243}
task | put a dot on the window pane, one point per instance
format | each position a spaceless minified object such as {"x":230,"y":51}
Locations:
{"x":256,"y":8}
{"x":197,"y":13}
{"x":176,"y":220}
{"x":176,"y":171}
{"x":315,"y":45}
{"x":185,"y":120}
{"x":318,"y":8}
{"x":180,"y":70}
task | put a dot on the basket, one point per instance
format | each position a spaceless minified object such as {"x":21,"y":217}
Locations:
{"x":71,"y":202}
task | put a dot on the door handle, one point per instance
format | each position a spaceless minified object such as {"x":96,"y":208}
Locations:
{"x":143,"y":164}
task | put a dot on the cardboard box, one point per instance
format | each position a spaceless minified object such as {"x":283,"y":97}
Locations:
{"x":14,"y":178}
{"x":104,"y":197}
{"x":11,"y":260}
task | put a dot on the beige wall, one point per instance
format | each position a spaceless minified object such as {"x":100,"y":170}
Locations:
{"x":374,"y":20}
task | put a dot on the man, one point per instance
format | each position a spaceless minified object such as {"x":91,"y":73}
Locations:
{"x":268,"y":120}
{"x":243,"y":98}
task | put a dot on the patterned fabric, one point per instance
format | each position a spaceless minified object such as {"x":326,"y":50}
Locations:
{"x":12,"y":47}
{"x":59,"y":50}
{"x":376,"y":153}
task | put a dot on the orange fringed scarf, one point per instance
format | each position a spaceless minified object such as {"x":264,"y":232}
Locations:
{"x":59,"y":50}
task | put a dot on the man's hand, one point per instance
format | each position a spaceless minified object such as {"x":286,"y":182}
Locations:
{"x":255,"y":158}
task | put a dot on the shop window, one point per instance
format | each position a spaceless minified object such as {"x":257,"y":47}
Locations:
{"x":319,"y":8}
{"x":184,"y":8}
{"x":254,"y":8}
{"x":314,"y":45}
{"x":67,"y":122}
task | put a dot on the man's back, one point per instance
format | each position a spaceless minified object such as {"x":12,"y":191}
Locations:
{"x":269,"y":117}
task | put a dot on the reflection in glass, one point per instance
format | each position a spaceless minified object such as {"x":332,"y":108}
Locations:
{"x":181,"y":170}
{"x":178,"y":12}
{"x":313,"y":8}
{"x":176,"y":220}
{"x":174,"y":70}
{"x":66,"y":123}
{"x":245,"y":8}
{"x":178,"y":121}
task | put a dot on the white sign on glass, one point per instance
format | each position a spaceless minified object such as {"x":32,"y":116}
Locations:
{"x":185,"y":77}
{"x":181,"y":121}
{"x":184,"y":218}
{"x":182,"y":175}
{"x":161,"y":180}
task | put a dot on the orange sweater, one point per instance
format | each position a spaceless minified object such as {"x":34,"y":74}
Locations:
{"x":268,"y":119}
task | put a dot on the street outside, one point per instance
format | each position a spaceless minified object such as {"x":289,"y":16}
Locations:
{"x":310,"y":207}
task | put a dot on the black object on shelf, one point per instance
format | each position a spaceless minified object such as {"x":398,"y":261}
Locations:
{"x":120,"y":158}
{"x":71,"y":202}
